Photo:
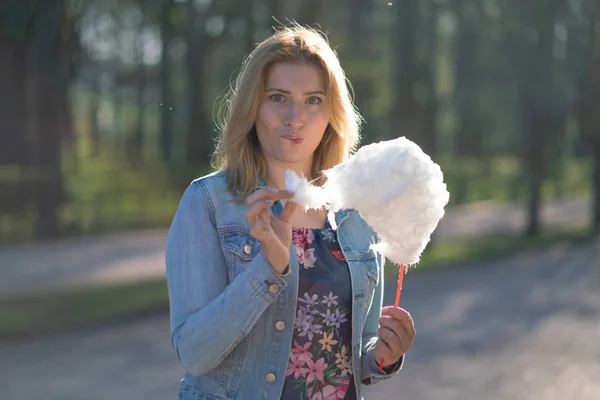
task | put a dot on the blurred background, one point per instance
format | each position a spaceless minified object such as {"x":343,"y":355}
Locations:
{"x":107,"y":113}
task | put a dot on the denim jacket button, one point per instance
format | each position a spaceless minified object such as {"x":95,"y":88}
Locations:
{"x":280,"y":325}
{"x":247,"y":249}
{"x":273,"y":288}
{"x":270,"y":378}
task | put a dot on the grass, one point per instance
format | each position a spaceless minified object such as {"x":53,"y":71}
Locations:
{"x":56,"y":312}
{"x":61,"y":311}
{"x":466,"y":251}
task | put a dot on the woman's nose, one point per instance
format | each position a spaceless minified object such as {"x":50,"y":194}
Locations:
{"x":295,"y":117}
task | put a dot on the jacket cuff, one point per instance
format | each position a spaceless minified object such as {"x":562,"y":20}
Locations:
{"x":371,"y":373}
{"x":264,"y":280}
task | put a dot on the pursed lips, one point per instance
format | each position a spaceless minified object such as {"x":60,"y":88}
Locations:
{"x":293,"y":139}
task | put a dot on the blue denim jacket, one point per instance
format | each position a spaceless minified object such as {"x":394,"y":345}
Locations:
{"x":232,"y":315}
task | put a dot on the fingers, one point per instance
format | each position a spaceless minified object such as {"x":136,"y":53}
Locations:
{"x":393,"y":343}
{"x":269,"y":194}
{"x":401,"y":316}
{"x":258,"y":210}
{"x":383,"y":350}
{"x":288,"y":211}
{"x":261,"y":230}
{"x":396,"y":331}
{"x":261,"y":201}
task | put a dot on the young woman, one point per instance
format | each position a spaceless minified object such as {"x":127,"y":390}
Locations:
{"x":267,"y":301}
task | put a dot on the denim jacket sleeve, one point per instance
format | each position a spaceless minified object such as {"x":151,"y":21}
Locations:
{"x":209,"y":315}
{"x":370,"y":371}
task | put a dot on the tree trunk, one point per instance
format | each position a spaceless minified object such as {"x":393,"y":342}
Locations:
{"x":596,"y":194}
{"x":50,"y":76}
{"x":404,"y":77}
{"x":589,"y":119}
{"x":13,"y":45}
{"x":93,"y":106}
{"x":199,"y":134}
{"x":138,"y":137}
{"x":414,"y":104}
{"x":359,"y":10}
{"x":535,"y":161}
{"x":467,"y":138}
{"x":166,"y":134}
{"x":541,"y":111}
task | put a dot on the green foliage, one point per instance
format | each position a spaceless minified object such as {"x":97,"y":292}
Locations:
{"x":111,"y":192}
{"x":60,"y":311}
{"x":502,"y":179}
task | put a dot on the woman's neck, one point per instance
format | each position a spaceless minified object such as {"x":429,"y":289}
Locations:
{"x":275,"y":176}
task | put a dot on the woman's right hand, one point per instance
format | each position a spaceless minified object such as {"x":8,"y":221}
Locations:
{"x":274,"y":233}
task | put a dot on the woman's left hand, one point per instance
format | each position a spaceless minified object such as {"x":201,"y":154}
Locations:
{"x":396,"y":335}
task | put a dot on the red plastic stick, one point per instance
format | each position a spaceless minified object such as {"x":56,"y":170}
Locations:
{"x":397,"y":302}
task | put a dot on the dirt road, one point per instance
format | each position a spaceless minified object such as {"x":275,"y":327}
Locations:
{"x":137,"y":256}
{"x":522,"y":328}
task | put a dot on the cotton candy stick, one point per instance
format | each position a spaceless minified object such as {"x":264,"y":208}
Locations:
{"x":397,"y":301}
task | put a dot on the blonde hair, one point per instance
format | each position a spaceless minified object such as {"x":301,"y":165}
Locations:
{"x":238,"y":150}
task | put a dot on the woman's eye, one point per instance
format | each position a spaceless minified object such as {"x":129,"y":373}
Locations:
{"x":314,"y":100}
{"x":276,"y":97}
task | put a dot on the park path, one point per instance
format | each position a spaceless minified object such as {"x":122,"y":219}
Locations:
{"x":521,"y":328}
{"x":137,"y":256}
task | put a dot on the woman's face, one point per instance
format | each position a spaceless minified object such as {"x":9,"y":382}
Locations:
{"x":292,"y":116}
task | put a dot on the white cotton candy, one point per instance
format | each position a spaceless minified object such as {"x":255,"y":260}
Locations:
{"x":395,"y":187}
{"x":305,"y":194}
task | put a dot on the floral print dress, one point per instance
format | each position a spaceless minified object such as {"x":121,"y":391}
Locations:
{"x":320,"y":362}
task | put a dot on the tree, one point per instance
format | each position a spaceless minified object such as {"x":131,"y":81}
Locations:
{"x":166,"y":133}
{"x":414,"y":103}
{"x":589,"y":104}
{"x":50,"y":73}
{"x":541,"y":111}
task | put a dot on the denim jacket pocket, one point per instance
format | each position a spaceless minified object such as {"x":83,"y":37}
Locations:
{"x":368,"y":260}
{"x":240,"y":248}
{"x":370,"y":264}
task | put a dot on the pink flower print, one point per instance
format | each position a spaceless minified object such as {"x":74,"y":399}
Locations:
{"x":309,"y":236}
{"x":298,"y":237}
{"x":299,"y":250}
{"x":329,"y":392}
{"x":314,"y":396}
{"x":340,"y":392}
{"x":306,"y":257}
{"x":302,"y":236}
{"x":296,"y":367}
{"x":309,"y":258}
{"x":301,"y":352}
{"x":315,"y":370}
